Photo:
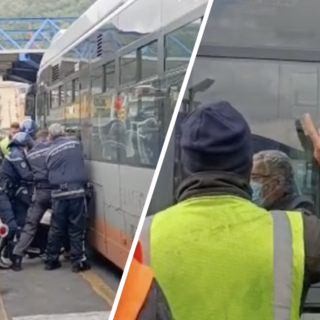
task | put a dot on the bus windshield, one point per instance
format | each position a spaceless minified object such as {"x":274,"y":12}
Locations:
{"x":264,"y":58}
{"x":277,"y":24}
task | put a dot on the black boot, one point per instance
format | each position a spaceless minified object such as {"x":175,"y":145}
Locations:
{"x":81,"y":266}
{"x":52,"y":265}
{"x":16,"y":262}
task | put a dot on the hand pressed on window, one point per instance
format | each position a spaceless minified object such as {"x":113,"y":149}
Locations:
{"x":314,"y":135}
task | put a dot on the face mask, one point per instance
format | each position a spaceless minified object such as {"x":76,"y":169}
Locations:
{"x":256,"y":193}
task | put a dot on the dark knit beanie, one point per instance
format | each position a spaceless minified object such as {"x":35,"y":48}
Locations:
{"x":216,"y":137}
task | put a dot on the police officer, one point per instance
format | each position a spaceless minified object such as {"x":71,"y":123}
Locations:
{"x":29,"y":127}
{"x":239,"y":260}
{"x":16,"y":184}
{"x":42,"y":197}
{"x":67,"y":177}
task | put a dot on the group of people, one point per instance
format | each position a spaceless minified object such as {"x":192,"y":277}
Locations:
{"x":239,"y":243}
{"x":41,"y":170}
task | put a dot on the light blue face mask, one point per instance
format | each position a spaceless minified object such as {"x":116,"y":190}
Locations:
{"x":256,"y":193}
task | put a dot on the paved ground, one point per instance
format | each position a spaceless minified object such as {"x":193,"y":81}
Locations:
{"x":310,"y":317}
{"x":36,"y":294}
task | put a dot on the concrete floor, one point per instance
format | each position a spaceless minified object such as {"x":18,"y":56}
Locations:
{"x":53,"y":295}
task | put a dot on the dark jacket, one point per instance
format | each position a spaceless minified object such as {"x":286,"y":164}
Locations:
{"x":37,"y":161}
{"x":155,"y":306}
{"x":15,"y":167}
{"x":66,"y":168}
{"x":207,"y":183}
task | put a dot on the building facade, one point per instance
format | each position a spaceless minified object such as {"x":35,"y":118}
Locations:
{"x":12,"y":103}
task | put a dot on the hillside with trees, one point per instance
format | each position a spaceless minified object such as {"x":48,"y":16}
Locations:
{"x":43,"y":8}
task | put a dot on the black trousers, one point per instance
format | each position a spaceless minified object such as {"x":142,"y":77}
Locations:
{"x":69,"y":217}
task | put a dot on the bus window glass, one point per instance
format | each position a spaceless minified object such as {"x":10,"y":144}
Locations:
{"x":281,"y":24}
{"x":273,"y":96}
{"x":96,"y":81}
{"x":30,"y":105}
{"x":75,"y":90}
{"x":104,"y":134}
{"x":41,"y":103}
{"x":128,"y":68}
{"x":102,"y":115}
{"x":138,"y":125}
{"x":49,"y":102}
{"x":61,"y":96}
{"x":41,"y":106}
{"x":86,"y":114}
{"x":109,"y":78}
{"x":54,"y":99}
{"x":179,"y":45}
{"x":148,"y":60}
{"x":68,"y":93}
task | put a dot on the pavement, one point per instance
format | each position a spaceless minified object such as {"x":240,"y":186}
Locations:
{"x":36,"y":294}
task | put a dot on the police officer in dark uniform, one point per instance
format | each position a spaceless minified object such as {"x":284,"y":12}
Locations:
{"x":41,"y":200}
{"x":16,"y":180}
{"x":29,"y":127}
{"x":68,"y":179}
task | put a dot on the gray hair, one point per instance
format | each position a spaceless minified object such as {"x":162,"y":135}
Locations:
{"x":56,"y":130}
{"x":278,"y":163}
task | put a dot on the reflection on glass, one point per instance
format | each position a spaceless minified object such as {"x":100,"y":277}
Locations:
{"x":109,"y":71}
{"x":179,"y":45}
{"x":148,"y":57}
{"x":268,"y":95}
{"x":68,"y":98}
{"x":30,"y":104}
{"x":54,"y":99}
{"x":266,"y":24}
{"x":75,"y":90}
{"x":61,"y":95}
{"x":129,"y":132}
{"x":128,"y":71}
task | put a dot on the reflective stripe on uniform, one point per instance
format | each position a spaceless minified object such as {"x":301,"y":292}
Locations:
{"x":145,"y":240}
{"x":282,"y":265}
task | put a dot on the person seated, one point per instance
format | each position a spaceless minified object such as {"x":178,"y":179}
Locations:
{"x":273,"y":184}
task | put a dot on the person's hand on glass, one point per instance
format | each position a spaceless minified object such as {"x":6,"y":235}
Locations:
{"x":314,"y":135}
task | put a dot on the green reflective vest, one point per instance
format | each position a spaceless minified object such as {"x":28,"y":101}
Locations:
{"x":4,"y":146}
{"x":224,"y":258}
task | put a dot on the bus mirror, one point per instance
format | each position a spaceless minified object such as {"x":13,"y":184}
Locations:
{"x":30,"y":107}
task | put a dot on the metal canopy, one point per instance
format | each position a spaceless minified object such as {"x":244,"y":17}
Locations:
{"x":19,"y":43}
